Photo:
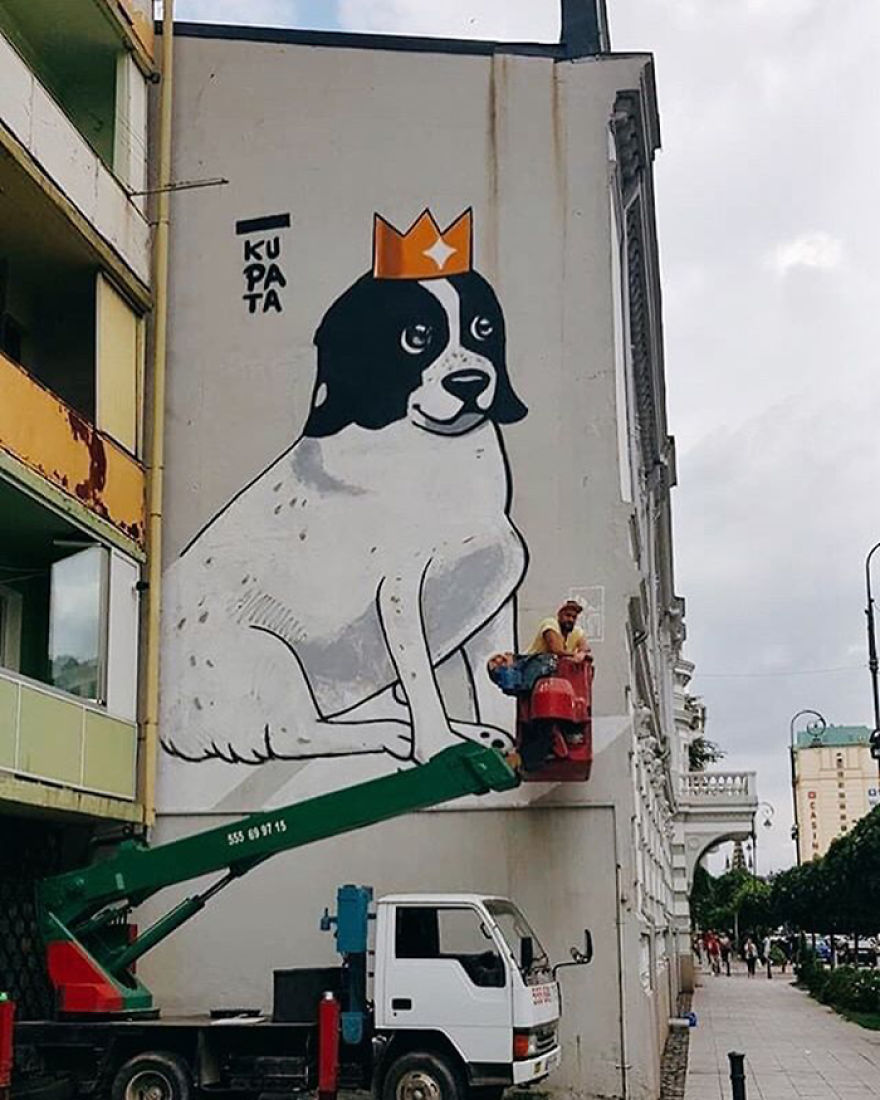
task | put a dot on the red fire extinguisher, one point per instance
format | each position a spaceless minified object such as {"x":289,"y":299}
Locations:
{"x":328,"y":1047}
{"x":7,"y":1015}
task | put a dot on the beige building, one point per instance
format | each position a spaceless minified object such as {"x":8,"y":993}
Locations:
{"x":835,"y":783}
{"x":75,"y":294}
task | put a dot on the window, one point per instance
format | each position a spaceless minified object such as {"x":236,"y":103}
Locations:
{"x":77,"y":623}
{"x":119,"y":366}
{"x":11,"y":337}
{"x":457,"y":934}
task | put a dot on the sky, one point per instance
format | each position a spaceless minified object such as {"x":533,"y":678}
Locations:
{"x":771,"y":302}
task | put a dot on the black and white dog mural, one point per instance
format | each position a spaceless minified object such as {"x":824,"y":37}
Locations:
{"x":309,"y":618}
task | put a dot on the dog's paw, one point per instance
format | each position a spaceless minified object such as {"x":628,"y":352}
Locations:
{"x":484,"y":735}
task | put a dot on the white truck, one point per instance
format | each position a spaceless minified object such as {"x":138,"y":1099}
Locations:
{"x":438,"y":996}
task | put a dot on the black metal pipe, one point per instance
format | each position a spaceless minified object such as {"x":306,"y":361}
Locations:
{"x":737,"y":1075}
{"x":872,"y":641}
{"x":796,"y":828}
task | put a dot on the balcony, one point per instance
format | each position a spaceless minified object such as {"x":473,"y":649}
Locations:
{"x":69,"y":615}
{"x":717,"y":790}
{"x":72,"y":102}
{"x":713,"y":806}
{"x":56,"y":443}
{"x":49,"y":736}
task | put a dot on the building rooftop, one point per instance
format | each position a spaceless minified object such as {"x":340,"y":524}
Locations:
{"x":832,"y":735}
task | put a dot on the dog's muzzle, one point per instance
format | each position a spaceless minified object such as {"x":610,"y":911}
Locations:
{"x":466,"y":385}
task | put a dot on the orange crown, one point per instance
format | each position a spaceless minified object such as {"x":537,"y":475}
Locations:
{"x":424,"y":251}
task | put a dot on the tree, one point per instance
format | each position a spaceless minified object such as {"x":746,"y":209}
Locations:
{"x":702,"y":751}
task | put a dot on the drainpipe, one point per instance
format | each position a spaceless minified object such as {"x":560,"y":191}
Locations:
{"x":157,"y":435}
{"x":621,"y":979}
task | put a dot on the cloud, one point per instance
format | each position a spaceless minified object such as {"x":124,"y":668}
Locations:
{"x":257,"y":13}
{"x":773,"y":394}
{"x":511,"y":20}
{"x":820,"y":251}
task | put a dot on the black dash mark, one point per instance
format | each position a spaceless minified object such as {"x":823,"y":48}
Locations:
{"x":255,"y":225}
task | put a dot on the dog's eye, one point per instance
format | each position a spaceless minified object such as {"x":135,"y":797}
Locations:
{"x":415,"y":338}
{"x":481,"y":328}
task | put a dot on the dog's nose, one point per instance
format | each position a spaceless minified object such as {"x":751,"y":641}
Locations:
{"x":466,"y":385}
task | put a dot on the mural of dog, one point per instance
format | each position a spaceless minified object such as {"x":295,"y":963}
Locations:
{"x":309,"y":617}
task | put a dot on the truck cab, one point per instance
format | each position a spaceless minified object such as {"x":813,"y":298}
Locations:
{"x":463,"y":979}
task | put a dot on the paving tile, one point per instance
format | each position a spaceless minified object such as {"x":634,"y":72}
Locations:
{"x":795,"y":1048}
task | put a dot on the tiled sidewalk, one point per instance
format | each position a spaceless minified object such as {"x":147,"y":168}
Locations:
{"x":794,"y":1046}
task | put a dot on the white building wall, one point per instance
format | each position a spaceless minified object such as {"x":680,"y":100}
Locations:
{"x":329,"y":137}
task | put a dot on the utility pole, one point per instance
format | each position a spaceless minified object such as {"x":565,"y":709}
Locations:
{"x":872,"y":657}
{"x":796,"y":828}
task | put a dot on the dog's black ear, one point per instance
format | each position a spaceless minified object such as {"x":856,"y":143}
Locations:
{"x":507,"y":407}
{"x":364,"y":375}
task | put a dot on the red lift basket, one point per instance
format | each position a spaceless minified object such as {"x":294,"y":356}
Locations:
{"x":563,"y":701}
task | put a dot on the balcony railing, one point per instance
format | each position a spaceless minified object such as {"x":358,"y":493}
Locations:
{"x":39,"y":430}
{"x":724,"y":790}
{"x":48,"y":735}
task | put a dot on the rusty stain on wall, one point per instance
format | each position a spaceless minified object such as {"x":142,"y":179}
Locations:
{"x":49,"y":437}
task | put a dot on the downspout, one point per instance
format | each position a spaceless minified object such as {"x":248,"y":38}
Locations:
{"x":621,"y":981}
{"x":157,"y":436}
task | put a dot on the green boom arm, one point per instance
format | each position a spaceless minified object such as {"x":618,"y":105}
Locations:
{"x":84,"y":910}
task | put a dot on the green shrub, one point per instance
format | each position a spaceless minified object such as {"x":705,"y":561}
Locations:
{"x":837,"y":989}
{"x":862,"y":992}
{"x":844,"y":987}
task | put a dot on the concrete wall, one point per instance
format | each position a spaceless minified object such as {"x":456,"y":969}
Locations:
{"x":35,"y":119}
{"x":324,"y":140}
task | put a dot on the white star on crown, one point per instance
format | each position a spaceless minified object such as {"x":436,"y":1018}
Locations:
{"x":439,"y":252}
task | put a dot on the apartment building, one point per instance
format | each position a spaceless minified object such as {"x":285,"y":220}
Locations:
{"x":74,"y":295}
{"x":835,"y":783}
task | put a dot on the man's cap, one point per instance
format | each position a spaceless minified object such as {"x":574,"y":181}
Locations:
{"x":571,"y":603}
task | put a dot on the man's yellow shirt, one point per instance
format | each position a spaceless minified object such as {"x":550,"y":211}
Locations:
{"x":574,"y":639}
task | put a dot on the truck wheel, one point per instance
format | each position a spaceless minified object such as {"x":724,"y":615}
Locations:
{"x":158,"y":1075}
{"x":420,"y":1075}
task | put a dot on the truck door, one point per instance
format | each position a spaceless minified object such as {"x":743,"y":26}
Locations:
{"x":445,"y":971}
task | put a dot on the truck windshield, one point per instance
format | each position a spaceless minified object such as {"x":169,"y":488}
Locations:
{"x":515,"y":929}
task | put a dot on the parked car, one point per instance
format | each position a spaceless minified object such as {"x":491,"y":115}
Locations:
{"x":823,"y":948}
{"x":864,"y":955}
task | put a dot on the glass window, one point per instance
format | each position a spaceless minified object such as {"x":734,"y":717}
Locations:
{"x":77,"y":627}
{"x":423,"y":932}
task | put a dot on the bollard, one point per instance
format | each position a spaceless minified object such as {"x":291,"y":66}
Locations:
{"x":737,"y":1075}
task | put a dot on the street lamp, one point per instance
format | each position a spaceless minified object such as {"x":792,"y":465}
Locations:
{"x":872,"y":650}
{"x":767,"y":811}
{"x":796,"y":829}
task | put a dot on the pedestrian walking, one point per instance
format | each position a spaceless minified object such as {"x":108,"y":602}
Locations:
{"x":713,"y":949}
{"x":750,"y":951}
{"x":698,"y":949}
{"x":725,"y":949}
{"x":768,"y":947}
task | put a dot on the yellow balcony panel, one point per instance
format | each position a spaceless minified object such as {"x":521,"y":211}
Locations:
{"x":110,"y":755}
{"x":8,"y":722}
{"x":49,"y":437}
{"x":49,"y":737}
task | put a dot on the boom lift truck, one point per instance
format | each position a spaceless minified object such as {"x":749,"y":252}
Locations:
{"x":461,"y":999}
